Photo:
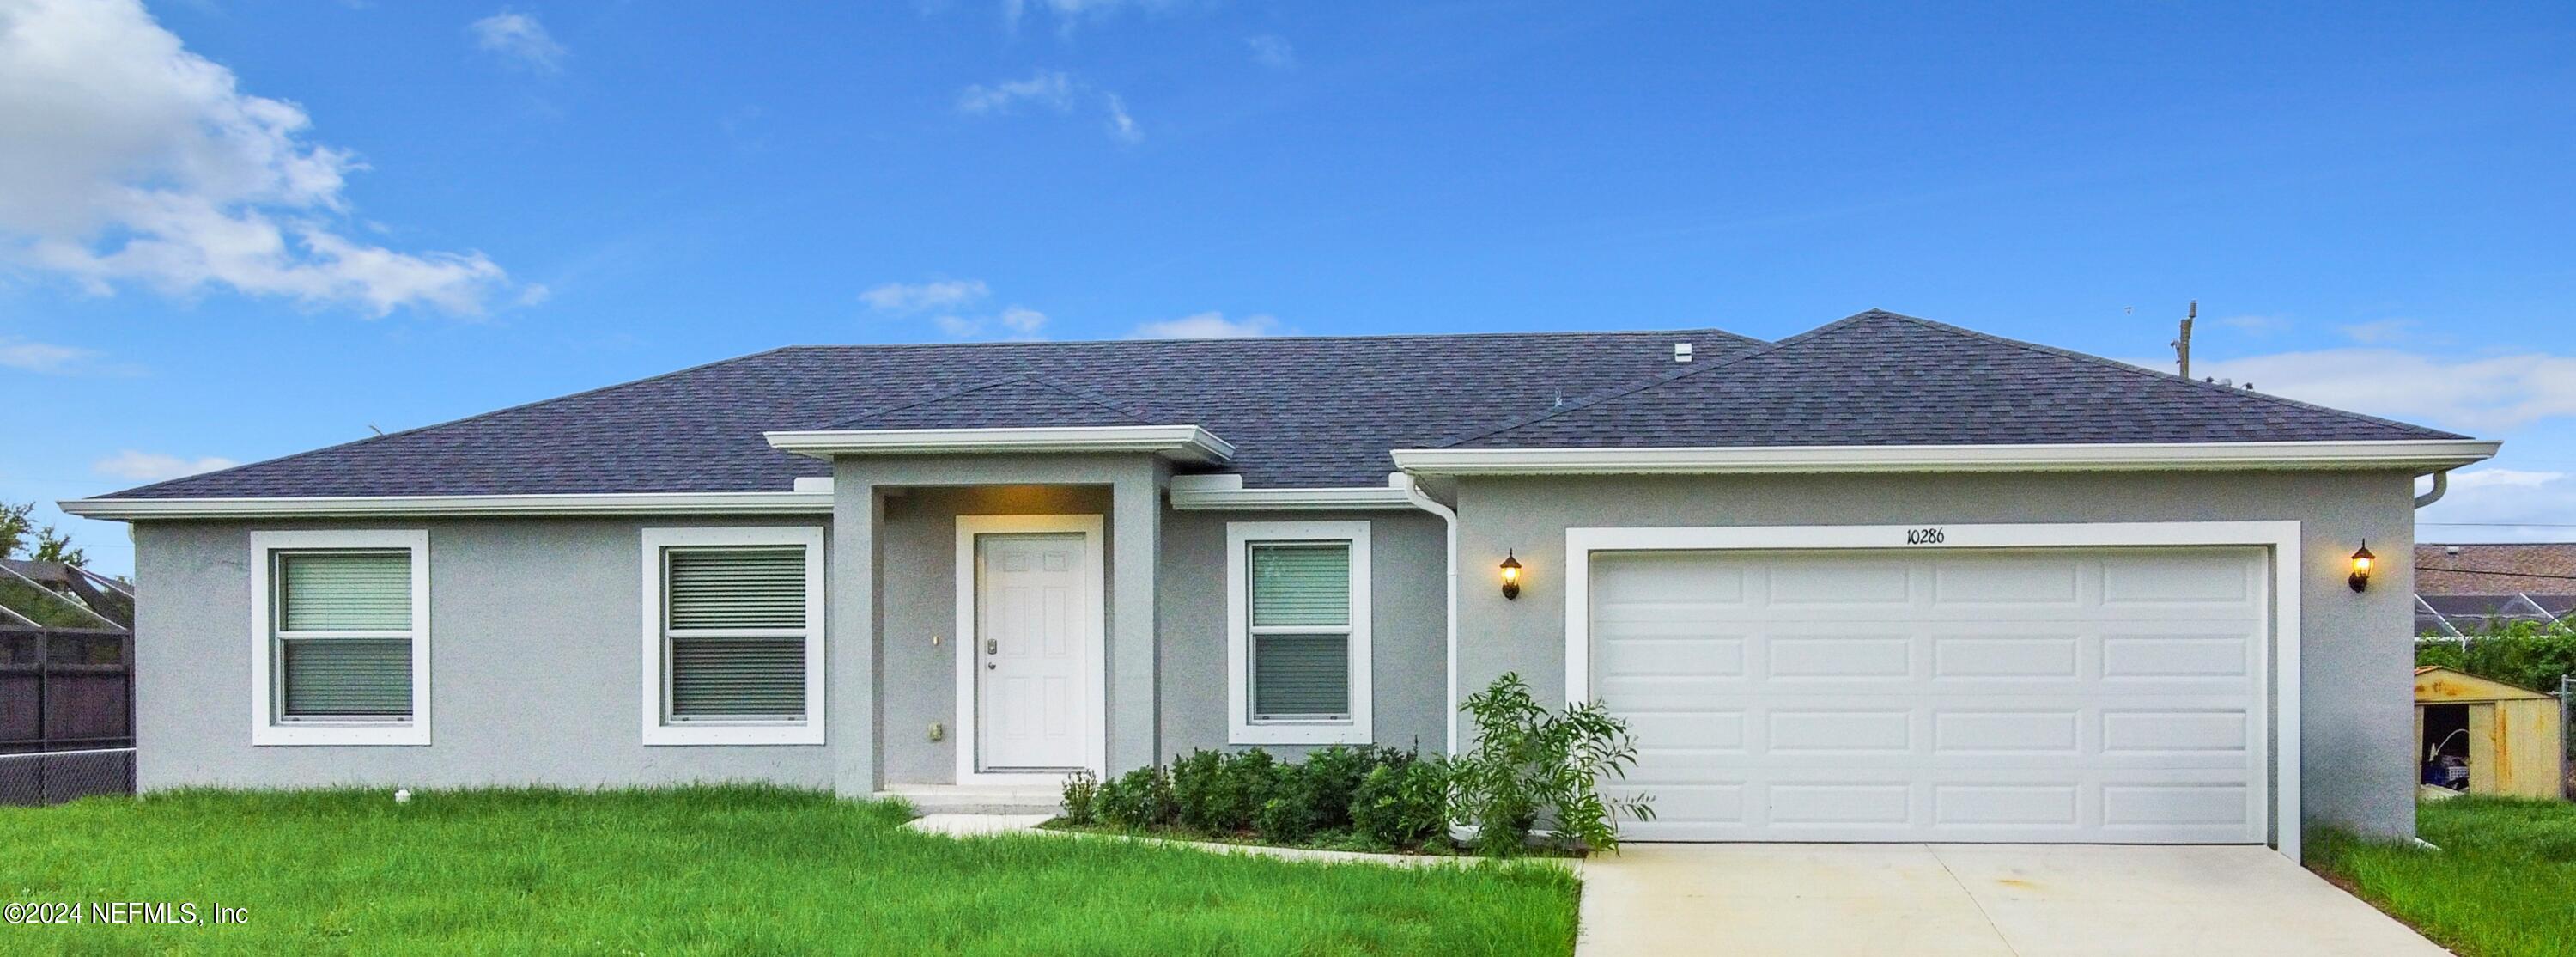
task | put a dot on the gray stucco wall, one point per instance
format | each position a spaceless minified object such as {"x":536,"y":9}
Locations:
{"x":2356,"y":650}
{"x":1408,"y":608}
{"x":535,"y":675}
{"x":535,"y":678}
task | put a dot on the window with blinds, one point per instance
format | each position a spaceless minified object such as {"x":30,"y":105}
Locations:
{"x":342,"y":621}
{"x":734,"y":634}
{"x":1300,"y":631}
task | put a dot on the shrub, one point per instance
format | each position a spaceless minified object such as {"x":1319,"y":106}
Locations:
{"x":1198,"y":780}
{"x":1287,"y":812}
{"x":1402,"y":804}
{"x":1334,"y":775}
{"x":1241,"y":788}
{"x":1081,"y":790}
{"x":1138,"y":799}
{"x":1528,"y":763}
{"x":2522,"y":653}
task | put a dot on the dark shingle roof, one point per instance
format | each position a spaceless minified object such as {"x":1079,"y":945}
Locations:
{"x":1879,"y":378}
{"x":1300,"y":411}
{"x":1308,"y":412}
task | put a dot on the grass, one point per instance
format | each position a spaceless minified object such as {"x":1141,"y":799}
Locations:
{"x":2503,"y":883}
{"x":1322,"y":841}
{"x":713,"y":870}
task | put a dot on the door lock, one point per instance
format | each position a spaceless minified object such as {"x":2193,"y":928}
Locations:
{"x":992,"y":647}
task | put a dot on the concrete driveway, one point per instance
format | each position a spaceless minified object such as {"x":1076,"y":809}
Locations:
{"x":2013,"y":900}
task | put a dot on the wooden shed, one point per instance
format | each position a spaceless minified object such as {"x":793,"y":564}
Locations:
{"x":2508,"y":735}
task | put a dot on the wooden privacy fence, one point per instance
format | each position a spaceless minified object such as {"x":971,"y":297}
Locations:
{"x":66,"y":713}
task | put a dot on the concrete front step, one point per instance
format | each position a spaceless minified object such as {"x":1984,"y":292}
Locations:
{"x":977,"y":798}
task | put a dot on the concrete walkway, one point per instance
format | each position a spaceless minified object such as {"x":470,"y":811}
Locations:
{"x":1749,"y":900}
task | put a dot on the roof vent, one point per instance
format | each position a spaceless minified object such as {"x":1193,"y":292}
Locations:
{"x":2451,"y":550}
{"x":1681,"y":352}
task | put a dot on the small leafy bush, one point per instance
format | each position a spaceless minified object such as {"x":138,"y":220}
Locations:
{"x":1138,"y":799}
{"x":1081,"y":794}
{"x":1197,"y":778}
{"x":1529,"y":763}
{"x":1287,"y":814}
{"x":1402,"y":804}
{"x":1334,"y":775}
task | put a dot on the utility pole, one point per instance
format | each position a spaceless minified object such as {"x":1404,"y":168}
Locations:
{"x":2182,"y":346}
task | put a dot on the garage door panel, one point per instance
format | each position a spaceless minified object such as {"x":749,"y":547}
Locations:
{"x":1968,"y":696}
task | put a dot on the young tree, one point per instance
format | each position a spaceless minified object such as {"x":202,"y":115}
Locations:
{"x":51,"y":545}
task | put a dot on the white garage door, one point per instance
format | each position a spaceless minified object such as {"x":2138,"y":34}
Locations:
{"x":2085,"y":695}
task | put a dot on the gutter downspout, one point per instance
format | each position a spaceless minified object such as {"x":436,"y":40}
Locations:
{"x":1422,"y":500}
{"x":2441,"y":484}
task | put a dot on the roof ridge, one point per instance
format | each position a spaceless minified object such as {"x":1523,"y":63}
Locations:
{"x":1606,"y":395}
{"x":1314,"y":337}
{"x":2153,"y":373}
{"x":477,"y":417}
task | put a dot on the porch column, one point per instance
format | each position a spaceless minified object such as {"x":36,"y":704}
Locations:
{"x":850,"y":703}
{"x":1136,"y":524}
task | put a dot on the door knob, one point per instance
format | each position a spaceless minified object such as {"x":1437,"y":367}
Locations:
{"x":989,"y":666}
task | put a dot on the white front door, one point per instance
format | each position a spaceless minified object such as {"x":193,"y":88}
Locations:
{"x":1035,"y":627}
{"x":2110,"y":695}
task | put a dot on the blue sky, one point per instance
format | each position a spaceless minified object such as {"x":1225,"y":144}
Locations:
{"x":235,"y":230}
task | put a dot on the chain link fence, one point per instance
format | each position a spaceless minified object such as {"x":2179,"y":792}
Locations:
{"x":53,"y":777}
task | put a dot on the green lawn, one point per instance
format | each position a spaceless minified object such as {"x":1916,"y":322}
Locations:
{"x":2502,"y":885}
{"x":730,"y":870}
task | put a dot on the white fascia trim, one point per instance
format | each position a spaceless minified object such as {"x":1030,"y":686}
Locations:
{"x":1188,"y":443}
{"x":369,"y":506}
{"x":658,"y":732}
{"x":2420,"y":454}
{"x":2281,"y":537}
{"x":1240,"y":728}
{"x":265,"y":727}
{"x":1286,"y":499}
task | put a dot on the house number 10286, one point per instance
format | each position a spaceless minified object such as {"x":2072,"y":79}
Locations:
{"x":1925,"y":536}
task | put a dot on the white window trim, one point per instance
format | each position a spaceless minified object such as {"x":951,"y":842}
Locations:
{"x":660,"y":732}
{"x":266,"y":728}
{"x":2282,"y":538}
{"x":1240,"y":728}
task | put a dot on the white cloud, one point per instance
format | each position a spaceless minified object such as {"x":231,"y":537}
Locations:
{"x":1050,"y":88}
{"x":1208,"y":325}
{"x":920,"y":296}
{"x":2379,"y":332}
{"x":155,"y":467}
{"x":39,"y":356}
{"x":1053,"y":89}
{"x":128,"y":159}
{"x":2479,"y":394}
{"x":1070,"y":12}
{"x":1121,"y":125}
{"x":1016,"y":323}
{"x":1272,"y":51}
{"x":520,"y":38}
{"x":2501,"y":504}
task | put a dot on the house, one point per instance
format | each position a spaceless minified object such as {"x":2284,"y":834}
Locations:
{"x":1885,"y":580}
{"x":2465,"y":589}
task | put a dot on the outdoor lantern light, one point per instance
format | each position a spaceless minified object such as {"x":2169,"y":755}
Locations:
{"x":1511,"y":576}
{"x":2361,"y":562}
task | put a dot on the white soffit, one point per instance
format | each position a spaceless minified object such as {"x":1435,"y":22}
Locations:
{"x":641,"y":503}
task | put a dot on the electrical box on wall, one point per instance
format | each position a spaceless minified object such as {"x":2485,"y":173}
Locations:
{"x":938,"y":731}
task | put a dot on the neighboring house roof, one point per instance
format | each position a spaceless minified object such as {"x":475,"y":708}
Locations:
{"x":2495,"y":569}
{"x":1308,"y":412}
{"x":1879,"y":378}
